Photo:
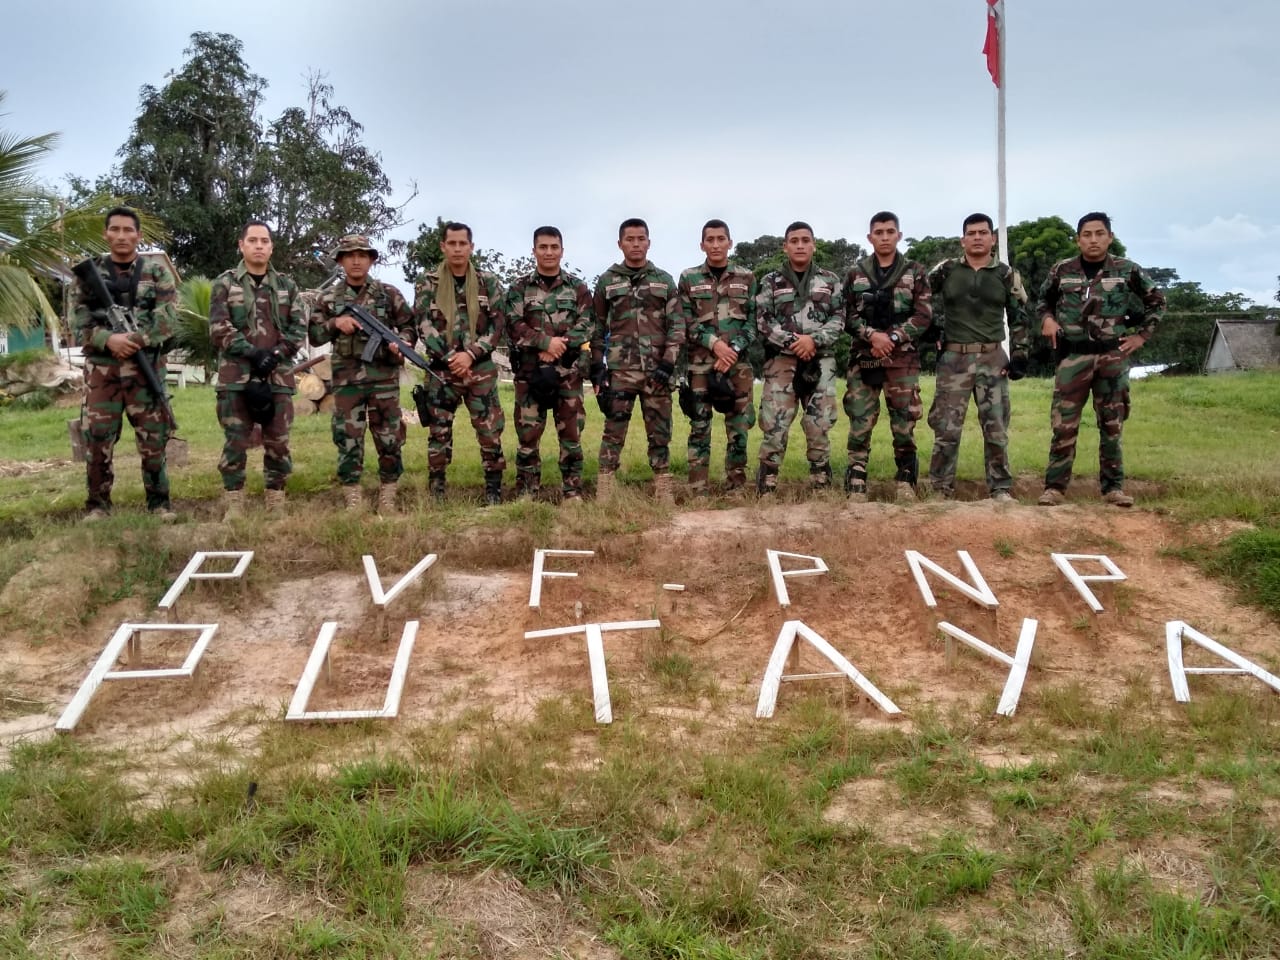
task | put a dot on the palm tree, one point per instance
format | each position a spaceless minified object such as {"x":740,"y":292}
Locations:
{"x":191,"y":335}
{"x":39,"y":233}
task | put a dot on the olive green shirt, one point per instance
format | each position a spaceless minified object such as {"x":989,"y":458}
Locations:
{"x":975,"y":303}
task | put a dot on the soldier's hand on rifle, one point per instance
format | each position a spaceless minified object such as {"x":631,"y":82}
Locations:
{"x":881,"y":345}
{"x":395,"y":350}
{"x":725,"y":355}
{"x":1049,"y":328}
{"x":804,"y":347}
{"x":346,"y":324}
{"x":123,"y":345}
{"x":460,"y":363}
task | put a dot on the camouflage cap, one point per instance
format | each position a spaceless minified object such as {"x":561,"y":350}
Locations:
{"x":353,"y":242}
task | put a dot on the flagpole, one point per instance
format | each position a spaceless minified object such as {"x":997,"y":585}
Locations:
{"x":1002,"y":250}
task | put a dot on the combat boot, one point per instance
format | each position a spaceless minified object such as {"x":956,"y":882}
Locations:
{"x":766,"y":480}
{"x":232,"y":504}
{"x":905,"y":492}
{"x":435,"y":484}
{"x":735,"y":480}
{"x":855,"y":484}
{"x":820,"y":477}
{"x":698,"y":481}
{"x":273,"y":500}
{"x":1118,"y":498}
{"x":354,"y":497}
{"x":604,"y":485}
{"x":492,"y":488}
{"x":526,"y":488}
{"x":387,"y":498}
{"x":663,"y":490}
{"x":1052,"y":497}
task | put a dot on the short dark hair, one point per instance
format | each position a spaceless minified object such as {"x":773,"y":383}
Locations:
{"x":632,"y":222}
{"x":244,"y":231}
{"x":973,"y":218}
{"x":121,"y":211}
{"x":716,"y":225}
{"x":1095,"y":215}
{"x":454,"y":226}
{"x":796,"y":225}
{"x":884,"y":216}
{"x":547,"y":232}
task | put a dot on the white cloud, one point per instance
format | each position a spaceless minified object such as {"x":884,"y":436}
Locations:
{"x":1232,"y":231}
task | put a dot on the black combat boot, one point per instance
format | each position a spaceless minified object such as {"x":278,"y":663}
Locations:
{"x":435,"y":483}
{"x":492,"y":488}
{"x":820,"y":476}
{"x":766,"y":480}
{"x":855,"y":483}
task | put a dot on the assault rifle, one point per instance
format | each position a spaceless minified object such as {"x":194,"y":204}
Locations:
{"x":123,"y":321}
{"x":379,"y":333}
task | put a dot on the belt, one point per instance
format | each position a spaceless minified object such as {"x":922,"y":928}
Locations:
{"x":970,"y":347}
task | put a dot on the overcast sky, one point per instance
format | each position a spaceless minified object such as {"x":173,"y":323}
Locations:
{"x":507,"y":114}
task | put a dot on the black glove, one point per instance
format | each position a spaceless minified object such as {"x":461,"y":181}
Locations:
{"x":1018,"y":366}
{"x":662,"y":373}
{"x":598,"y":370}
{"x":263,"y":362}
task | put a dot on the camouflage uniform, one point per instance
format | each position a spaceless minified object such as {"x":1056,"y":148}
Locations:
{"x":536,"y":309}
{"x":1092,"y":314}
{"x":478,"y":388}
{"x":782,"y":313}
{"x":244,"y":316}
{"x":365,"y":393}
{"x":972,"y":361}
{"x":116,"y":388}
{"x":637,"y":327}
{"x":907,"y":315}
{"x":714,"y":309}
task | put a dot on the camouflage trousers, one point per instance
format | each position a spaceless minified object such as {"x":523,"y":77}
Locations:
{"x":1107,"y":377}
{"x":237,"y":428}
{"x":109,"y":398}
{"x":570,"y":418}
{"x":982,"y":376}
{"x":655,"y":406}
{"x":375,"y":404}
{"x":479,"y":393}
{"x":737,"y":424}
{"x":901,"y":390}
{"x":778,"y":408}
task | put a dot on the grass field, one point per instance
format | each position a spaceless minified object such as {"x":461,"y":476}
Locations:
{"x":1101,"y":827}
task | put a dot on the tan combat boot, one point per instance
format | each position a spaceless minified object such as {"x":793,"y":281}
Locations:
{"x":354,"y":497}
{"x":604,"y":486}
{"x":387,"y":499}
{"x":233,"y":504}
{"x":1118,"y":498}
{"x":905,"y":492}
{"x":663,"y":490}
{"x":1052,"y":497}
{"x":273,"y":500}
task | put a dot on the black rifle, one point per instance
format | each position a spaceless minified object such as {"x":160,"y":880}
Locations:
{"x":379,"y":333}
{"x":123,"y":321}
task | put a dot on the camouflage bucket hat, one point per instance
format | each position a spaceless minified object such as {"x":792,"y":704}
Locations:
{"x":353,"y":242}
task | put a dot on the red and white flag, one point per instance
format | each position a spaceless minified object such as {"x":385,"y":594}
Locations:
{"x":995,"y":27}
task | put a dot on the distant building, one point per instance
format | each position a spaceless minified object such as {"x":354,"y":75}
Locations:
{"x":1244,"y":345}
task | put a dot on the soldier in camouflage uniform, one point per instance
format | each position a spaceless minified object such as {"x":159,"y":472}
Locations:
{"x":460,"y":315}
{"x":975,"y":292}
{"x":1083,"y":311}
{"x":718,"y":303}
{"x":887,"y":311}
{"x":114,"y":386}
{"x":799,"y":314}
{"x":548,"y":318}
{"x":256,"y":324}
{"x":637,"y":339}
{"x":364,"y":393}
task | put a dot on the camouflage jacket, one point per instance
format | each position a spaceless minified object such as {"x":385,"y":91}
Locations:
{"x":912,"y":312}
{"x":242,"y":318}
{"x":723,"y":309}
{"x":155,"y":308}
{"x":386,"y":303}
{"x":638,"y":321}
{"x":438,"y":339}
{"x":970,"y":306}
{"x":781,"y":316}
{"x":1098,"y":309}
{"x":535,"y":313}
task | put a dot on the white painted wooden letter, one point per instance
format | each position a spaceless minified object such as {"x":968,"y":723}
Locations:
{"x":539,"y":574}
{"x":1175,"y":631}
{"x":381,"y":599}
{"x":320,"y":659}
{"x":977,"y":591}
{"x":773,"y":676}
{"x":780,"y":576}
{"x":1017,"y":664}
{"x":595,"y":655}
{"x":192,"y":571}
{"x":1080,"y":581}
{"x":129,"y":635}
